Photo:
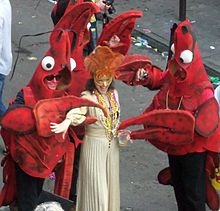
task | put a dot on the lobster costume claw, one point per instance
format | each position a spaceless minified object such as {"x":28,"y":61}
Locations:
{"x":122,"y":26}
{"x":21,"y":124}
{"x":54,"y":110}
{"x":174,"y":127}
{"x":207,"y":118}
{"x":76,"y":19}
{"x":127,"y":70}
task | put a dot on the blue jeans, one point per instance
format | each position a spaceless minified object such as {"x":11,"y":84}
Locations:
{"x":2,"y":106}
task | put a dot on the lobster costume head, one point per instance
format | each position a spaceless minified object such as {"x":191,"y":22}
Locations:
{"x":55,"y":64}
{"x":186,"y":66}
{"x":67,"y":41}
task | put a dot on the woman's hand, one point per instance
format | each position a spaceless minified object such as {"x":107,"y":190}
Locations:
{"x":60,"y":128}
{"x":141,"y":74}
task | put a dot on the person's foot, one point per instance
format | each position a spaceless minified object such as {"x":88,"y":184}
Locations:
{"x":52,"y":1}
{"x":73,"y":208}
{"x":13,"y":206}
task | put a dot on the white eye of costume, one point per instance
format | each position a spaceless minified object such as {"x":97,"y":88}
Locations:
{"x":72,"y":64}
{"x":186,"y":56}
{"x":48,"y":63}
{"x":172,"y":48}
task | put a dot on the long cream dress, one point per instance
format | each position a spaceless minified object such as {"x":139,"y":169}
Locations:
{"x":98,"y":182}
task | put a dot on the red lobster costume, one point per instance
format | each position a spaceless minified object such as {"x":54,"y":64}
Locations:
{"x":183,"y":116}
{"x":27,"y":137}
{"x":33,"y":148}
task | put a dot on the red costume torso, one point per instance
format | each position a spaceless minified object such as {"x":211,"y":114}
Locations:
{"x":37,"y":155}
{"x":184,"y":85}
{"x":183,"y":117}
{"x":172,"y":96}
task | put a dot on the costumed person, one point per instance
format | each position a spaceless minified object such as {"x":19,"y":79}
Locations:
{"x":34,"y":157}
{"x":116,"y":35}
{"x":80,"y":16}
{"x":33,"y":152}
{"x":60,"y":8}
{"x":5,"y":47}
{"x":182,"y":119}
{"x":98,"y":182}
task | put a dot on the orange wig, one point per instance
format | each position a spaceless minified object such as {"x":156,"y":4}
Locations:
{"x":103,"y":62}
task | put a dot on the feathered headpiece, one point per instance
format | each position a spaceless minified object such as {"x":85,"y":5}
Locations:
{"x":103,"y":62}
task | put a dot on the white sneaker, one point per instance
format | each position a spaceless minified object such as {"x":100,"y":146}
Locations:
{"x":52,"y":1}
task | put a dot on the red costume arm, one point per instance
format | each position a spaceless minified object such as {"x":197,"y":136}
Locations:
{"x":127,"y":71}
{"x":122,"y":26}
{"x":154,"y":80}
{"x":206,"y":115}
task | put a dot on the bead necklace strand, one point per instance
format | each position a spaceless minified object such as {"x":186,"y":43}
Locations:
{"x":110,"y":122}
{"x":167,"y":101}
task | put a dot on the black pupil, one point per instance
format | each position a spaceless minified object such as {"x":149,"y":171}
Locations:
{"x":48,"y":65}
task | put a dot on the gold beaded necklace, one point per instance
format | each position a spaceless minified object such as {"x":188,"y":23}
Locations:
{"x":167,"y":101}
{"x":111,"y":121}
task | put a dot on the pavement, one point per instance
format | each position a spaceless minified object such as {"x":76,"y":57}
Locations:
{"x":159,"y":16}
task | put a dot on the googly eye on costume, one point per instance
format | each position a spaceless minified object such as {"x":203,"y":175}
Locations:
{"x":186,"y":57}
{"x":72,"y":64}
{"x":48,"y":63}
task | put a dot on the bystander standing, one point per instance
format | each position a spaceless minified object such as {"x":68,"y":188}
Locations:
{"x":217,"y":95}
{"x":5,"y":46}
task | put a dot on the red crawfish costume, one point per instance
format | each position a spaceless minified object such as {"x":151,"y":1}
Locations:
{"x":28,"y":139}
{"x":35,"y":150}
{"x":183,"y":116}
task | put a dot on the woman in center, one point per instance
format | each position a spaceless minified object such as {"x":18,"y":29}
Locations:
{"x":98,"y":184}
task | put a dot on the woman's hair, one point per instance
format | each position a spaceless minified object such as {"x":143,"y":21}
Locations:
{"x":90,"y":85}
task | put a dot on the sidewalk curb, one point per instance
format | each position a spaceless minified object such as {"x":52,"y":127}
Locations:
{"x":162,"y":45}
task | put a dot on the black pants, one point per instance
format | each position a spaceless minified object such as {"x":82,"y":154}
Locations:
{"x":75,"y":175}
{"x":188,"y":177}
{"x":28,"y":190}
